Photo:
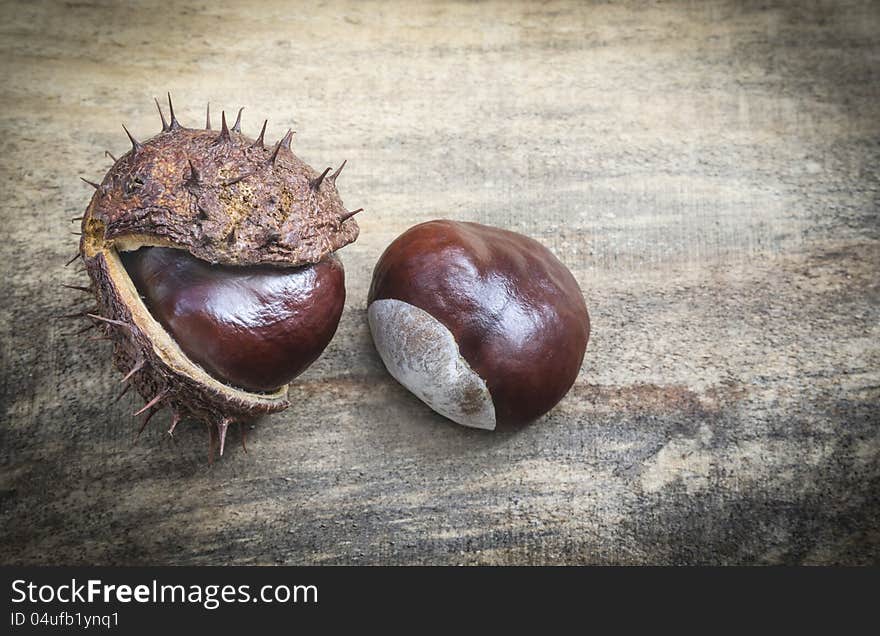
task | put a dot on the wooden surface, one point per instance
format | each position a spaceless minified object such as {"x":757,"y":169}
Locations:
{"x":709,"y":171}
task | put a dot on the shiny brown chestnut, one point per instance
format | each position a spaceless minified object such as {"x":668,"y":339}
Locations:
{"x":484,"y":325}
{"x":254,"y":327}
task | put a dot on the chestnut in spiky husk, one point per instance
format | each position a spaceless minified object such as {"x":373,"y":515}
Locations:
{"x":212,"y":261}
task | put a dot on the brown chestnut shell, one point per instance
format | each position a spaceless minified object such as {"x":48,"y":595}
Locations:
{"x":255,"y":327}
{"x":516,"y":313}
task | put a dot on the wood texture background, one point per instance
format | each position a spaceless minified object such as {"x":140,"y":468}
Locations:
{"x":709,"y":171}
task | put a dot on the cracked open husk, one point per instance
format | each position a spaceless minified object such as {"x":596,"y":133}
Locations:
{"x":224,"y":198}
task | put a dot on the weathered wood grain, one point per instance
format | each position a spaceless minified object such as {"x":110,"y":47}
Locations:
{"x":708,"y":170}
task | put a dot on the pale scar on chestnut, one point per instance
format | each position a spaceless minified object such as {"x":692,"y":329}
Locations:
{"x":212,"y":262}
